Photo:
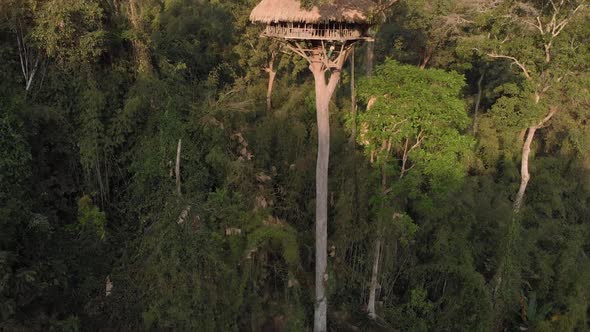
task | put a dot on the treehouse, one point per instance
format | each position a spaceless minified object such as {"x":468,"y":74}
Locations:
{"x":324,"y":35}
{"x":340,"y":21}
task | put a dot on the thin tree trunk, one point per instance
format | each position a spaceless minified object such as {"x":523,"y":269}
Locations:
{"x":377,"y":255}
{"x":177,"y":169}
{"x":477,"y":102}
{"x":26,"y":58}
{"x":524,"y":166}
{"x":32,"y":75}
{"x":374,"y":280}
{"x":272,"y":73}
{"x":524,"y":169}
{"x":353,"y":100}
{"x":425,"y":58}
{"x":506,"y":267}
{"x":106,"y":175}
{"x":271,"y":80}
{"x":355,"y":185}
{"x":548,"y":51}
{"x":370,"y":57}
{"x":404,"y":159}
{"x":100,"y":184}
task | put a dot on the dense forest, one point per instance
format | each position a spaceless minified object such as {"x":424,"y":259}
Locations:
{"x":157,"y":163}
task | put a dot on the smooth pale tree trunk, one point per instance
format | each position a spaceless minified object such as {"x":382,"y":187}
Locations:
{"x":506,"y":269}
{"x":177,"y":168}
{"x":374,"y":280}
{"x":555,"y":26}
{"x":425,"y":58}
{"x":272,"y":74}
{"x":477,"y":102}
{"x":323,"y":94}
{"x":271,"y":80}
{"x":377,"y":255}
{"x":524,"y":167}
{"x":370,"y":57}
{"x":28,"y":61}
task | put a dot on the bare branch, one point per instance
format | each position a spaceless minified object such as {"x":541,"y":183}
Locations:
{"x":21,"y":56}
{"x":551,"y":113}
{"x":540,"y":24}
{"x":404,"y":159}
{"x":32,"y":75}
{"x":419,"y":140}
{"x":514,"y":60}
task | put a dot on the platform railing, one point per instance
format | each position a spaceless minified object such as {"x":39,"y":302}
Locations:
{"x":312,"y":33}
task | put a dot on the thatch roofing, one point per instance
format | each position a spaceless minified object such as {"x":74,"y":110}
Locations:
{"x":349,"y":11}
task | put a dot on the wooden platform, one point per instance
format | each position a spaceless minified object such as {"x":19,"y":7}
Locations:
{"x":314,"y":33}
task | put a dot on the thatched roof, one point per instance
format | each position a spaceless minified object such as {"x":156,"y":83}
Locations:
{"x":349,"y":11}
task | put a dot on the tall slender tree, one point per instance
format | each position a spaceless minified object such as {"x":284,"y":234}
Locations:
{"x":410,"y":127}
{"x":541,"y":42}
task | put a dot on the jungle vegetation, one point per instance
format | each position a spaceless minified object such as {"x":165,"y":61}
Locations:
{"x":157,"y":163}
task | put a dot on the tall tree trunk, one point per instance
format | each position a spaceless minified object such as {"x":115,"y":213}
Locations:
{"x":506,"y":269}
{"x":100,"y":183}
{"x":353,"y":100}
{"x":177,"y":168}
{"x":425,"y":58}
{"x":272,"y":73}
{"x":28,"y":61}
{"x":370,"y":57}
{"x":321,"y":210}
{"x":524,"y":169}
{"x":377,"y":255}
{"x":524,"y":166}
{"x":271,"y":80}
{"x":353,"y":110}
{"x":477,"y":102}
{"x":374,"y":280}
{"x":323,"y":94}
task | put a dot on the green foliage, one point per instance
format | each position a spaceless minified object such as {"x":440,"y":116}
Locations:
{"x":516,"y":107}
{"x":70,"y":30}
{"x":95,"y":237}
{"x":189,"y":34}
{"x":91,"y":218}
{"x":417,"y":122}
{"x":273,"y":236}
{"x":14,"y":159}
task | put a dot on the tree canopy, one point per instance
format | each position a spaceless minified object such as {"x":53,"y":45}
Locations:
{"x":157,"y":163}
